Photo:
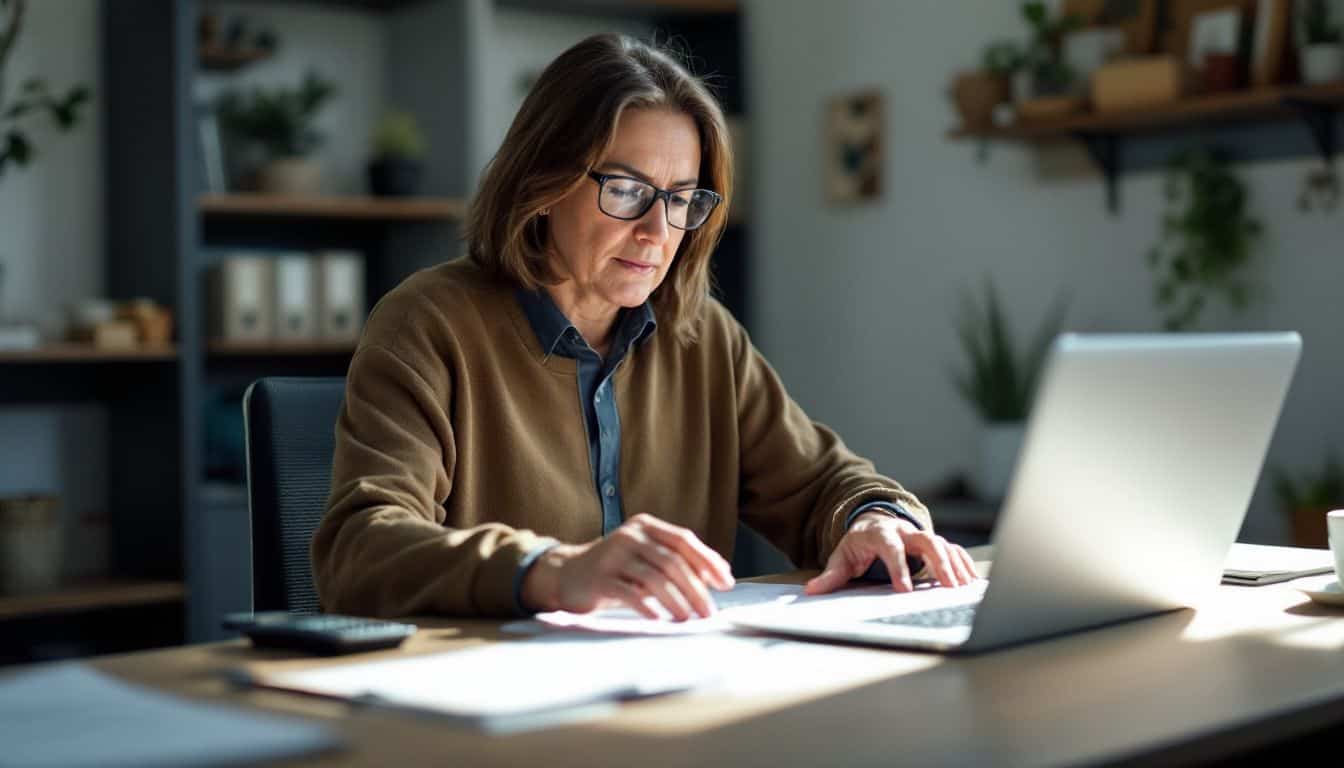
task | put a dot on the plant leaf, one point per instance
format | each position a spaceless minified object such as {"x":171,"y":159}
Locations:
{"x":19,"y":149}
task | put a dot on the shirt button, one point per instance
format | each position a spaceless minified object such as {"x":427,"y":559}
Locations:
{"x":610,"y":490}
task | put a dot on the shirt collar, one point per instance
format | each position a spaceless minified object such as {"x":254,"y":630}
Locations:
{"x":634,"y":326}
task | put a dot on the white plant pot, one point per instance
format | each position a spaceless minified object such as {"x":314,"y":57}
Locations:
{"x":1322,"y":63}
{"x":1000,"y":442}
{"x":291,"y":176}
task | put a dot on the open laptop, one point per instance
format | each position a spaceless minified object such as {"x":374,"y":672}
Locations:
{"x":1139,"y":461}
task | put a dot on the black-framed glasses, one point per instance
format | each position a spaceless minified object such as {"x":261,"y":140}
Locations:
{"x":626,"y":198}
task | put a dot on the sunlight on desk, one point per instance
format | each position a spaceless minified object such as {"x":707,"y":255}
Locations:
{"x":783,"y":674}
{"x":1280,"y":613}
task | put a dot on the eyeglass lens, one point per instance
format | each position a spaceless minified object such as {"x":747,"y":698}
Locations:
{"x":631,"y":199}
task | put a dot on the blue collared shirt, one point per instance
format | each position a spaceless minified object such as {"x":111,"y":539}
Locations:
{"x":601,"y":419}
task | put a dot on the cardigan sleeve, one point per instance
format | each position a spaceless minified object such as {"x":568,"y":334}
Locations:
{"x":382,"y":548}
{"x":799,"y":483}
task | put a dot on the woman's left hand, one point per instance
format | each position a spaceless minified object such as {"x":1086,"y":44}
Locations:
{"x":875,"y":535}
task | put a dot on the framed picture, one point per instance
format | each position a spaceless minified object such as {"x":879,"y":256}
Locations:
{"x":1272,"y":20}
{"x":854,"y":155}
{"x":1138,"y":20}
{"x":1196,"y":27}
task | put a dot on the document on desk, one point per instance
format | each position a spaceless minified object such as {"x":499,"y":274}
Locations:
{"x":626,"y":621}
{"x":516,"y":685}
{"x":72,"y":715}
{"x":1257,"y":564}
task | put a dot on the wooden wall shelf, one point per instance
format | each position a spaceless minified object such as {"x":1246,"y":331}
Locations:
{"x":1237,"y":106}
{"x":335,"y":207}
{"x":1102,"y":133}
{"x":280,"y":348}
{"x":91,"y":596}
{"x":216,"y":58}
{"x":86,"y":353}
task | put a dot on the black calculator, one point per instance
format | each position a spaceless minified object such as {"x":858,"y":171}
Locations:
{"x":323,"y":633}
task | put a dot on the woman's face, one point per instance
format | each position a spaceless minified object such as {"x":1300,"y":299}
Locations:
{"x":609,"y":263}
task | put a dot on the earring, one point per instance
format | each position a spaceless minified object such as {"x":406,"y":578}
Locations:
{"x":545,"y":212}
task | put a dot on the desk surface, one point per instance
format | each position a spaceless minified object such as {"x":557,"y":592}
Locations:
{"x":1251,"y":666}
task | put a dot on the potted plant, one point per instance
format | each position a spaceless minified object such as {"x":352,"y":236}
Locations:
{"x":999,"y":382}
{"x":1306,"y":500}
{"x":1322,"y":53}
{"x":977,"y":93}
{"x":1208,"y":237}
{"x":277,"y":125}
{"x":1047,"y":75}
{"x":398,"y":155}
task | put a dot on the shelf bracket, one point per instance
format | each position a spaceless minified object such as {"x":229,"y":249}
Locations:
{"x":1320,"y":119}
{"x":1105,"y":151}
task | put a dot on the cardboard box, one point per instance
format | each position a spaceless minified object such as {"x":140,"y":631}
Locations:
{"x":1137,"y":83}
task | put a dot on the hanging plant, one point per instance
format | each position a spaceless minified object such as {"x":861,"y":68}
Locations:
{"x":1208,"y":237}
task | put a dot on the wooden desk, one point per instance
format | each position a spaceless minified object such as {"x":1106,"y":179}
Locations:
{"x":1250,"y":667}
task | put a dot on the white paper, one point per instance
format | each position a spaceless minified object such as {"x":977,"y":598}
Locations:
{"x":627,"y":621}
{"x":1264,"y":559}
{"x":70,"y":715}
{"x":509,"y":679}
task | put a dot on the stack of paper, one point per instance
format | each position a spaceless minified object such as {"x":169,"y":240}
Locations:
{"x":1256,"y":564}
{"x":627,"y":621}
{"x":512,"y":685}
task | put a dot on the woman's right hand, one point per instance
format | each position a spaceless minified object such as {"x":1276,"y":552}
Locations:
{"x":645,"y":557}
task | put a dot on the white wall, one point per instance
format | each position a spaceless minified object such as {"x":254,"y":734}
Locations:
{"x":51,"y":241}
{"x":51,"y":214}
{"x":513,"y":45}
{"x":855,"y":306}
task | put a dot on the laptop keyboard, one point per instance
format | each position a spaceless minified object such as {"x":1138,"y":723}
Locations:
{"x":952,"y":616}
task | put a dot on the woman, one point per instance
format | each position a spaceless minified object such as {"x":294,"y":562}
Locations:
{"x":566,"y":419}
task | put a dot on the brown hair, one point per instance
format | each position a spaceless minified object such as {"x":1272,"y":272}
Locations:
{"x":565,"y":126}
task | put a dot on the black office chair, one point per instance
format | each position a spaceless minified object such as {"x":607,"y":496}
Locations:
{"x":290,"y":425}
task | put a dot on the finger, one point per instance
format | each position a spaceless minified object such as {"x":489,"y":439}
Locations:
{"x":934,"y":552}
{"x":828,"y":580}
{"x":897,"y":569}
{"x":925,"y":546}
{"x":710,"y":564}
{"x":652,"y":580}
{"x":964,"y":574}
{"x":630,"y":595}
{"x":970,"y":563}
{"x":688,"y":581}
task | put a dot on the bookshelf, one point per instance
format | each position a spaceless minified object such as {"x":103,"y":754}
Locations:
{"x":335,"y":207}
{"x":89,"y":596}
{"x":219,"y":348}
{"x":86,"y":353}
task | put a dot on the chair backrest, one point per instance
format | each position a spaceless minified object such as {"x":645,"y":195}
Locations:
{"x":290,"y":425}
